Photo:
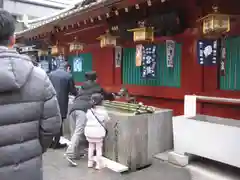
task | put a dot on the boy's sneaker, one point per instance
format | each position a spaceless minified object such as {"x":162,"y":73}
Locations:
{"x":71,"y":161}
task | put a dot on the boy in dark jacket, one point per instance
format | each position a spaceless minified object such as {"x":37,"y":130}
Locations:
{"x":77,"y":115}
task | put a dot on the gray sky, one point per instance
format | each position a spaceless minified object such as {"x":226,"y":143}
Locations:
{"x":60,"y":3}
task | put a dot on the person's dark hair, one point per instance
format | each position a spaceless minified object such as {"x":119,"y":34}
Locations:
{"x":91,"y":75}
{"x":97,"y":99}
{"x":7,"y":27}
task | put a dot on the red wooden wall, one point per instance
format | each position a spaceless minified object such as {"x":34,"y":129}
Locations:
{"x":195,"y":79}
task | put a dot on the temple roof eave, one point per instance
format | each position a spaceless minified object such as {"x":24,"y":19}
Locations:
{"x":63,"y":14}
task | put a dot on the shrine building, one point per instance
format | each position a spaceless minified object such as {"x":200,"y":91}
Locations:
{"x":160,"y":50}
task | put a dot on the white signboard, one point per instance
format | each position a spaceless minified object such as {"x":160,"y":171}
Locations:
{"x":170,"y":48}
{"x":77,"y":64}
{"x":118,"y":56}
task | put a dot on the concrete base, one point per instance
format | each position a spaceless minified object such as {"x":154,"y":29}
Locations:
{"x":177,"y":159}
{"x":163,"y":156}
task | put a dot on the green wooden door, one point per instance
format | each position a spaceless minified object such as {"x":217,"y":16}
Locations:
{"x":170,"y":77}
{"x":86,"y":66}
{"x":231,"y":80}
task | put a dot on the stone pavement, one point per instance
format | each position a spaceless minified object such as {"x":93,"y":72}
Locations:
{"x":56,"y":168}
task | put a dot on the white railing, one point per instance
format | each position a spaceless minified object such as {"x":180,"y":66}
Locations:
{"x":190,"y":103}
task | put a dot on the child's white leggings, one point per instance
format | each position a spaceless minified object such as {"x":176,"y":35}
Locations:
{"x":95,"y":144}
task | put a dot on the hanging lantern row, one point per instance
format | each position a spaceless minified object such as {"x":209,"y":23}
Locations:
{"x":140,"y":34}
{"x":215,"y":23}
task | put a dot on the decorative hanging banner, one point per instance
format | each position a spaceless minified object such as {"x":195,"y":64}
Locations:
{"x":118,"y":56}
{"x":139,"y":49}
{"x":207,"y":52}
{"x":223,"y":58}
{"x":170,"y":48}
{"x":149,"y":61}
{"x":77,"y":64}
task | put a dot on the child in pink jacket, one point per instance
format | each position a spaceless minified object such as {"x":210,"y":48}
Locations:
{"x":95,"y":130}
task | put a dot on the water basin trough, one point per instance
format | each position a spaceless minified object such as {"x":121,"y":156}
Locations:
{"x":211,"y":137}
{"x":133,"y":140}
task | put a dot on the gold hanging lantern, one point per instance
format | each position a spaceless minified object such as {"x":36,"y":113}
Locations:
{"x":76,"y":46}
{"x":215,"y":23}
{"x":57,"y":50}
{"x":54,"y":50}
{"x":142,"y":33}
{"x":107,"y":40}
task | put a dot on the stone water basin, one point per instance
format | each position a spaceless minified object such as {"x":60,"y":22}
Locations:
{"x":133,"y":140}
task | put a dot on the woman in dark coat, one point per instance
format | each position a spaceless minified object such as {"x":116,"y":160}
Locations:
{"x":64,"y":85}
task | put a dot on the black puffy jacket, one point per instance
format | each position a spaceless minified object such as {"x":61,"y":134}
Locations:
{"x":82,"y":101}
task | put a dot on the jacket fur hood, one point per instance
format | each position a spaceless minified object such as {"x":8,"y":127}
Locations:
{"x":14,"y":69}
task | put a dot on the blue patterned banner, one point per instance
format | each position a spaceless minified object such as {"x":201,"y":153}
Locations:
{"x":149,"y":61}
{"x":208,"y":52}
